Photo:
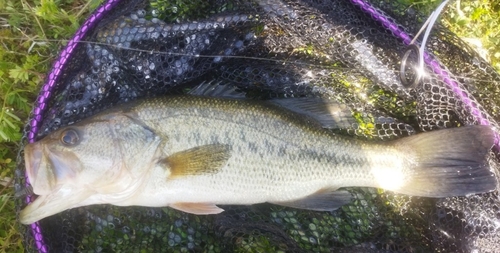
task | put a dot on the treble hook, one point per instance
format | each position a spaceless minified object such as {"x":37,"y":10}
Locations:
{"x":414,"y":79}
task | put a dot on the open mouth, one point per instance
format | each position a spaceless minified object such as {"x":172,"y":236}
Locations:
{"x":47,"y":168}
{"x":60,"y":199}
{"x":32,"y":158}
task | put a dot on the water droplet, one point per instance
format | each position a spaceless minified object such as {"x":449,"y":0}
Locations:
{"x":96,"y":63}
{"x":178,"y":223}
{"x":238,"y":44}
{"x":312,"y":226}
{"x":126,"y":230}
{"x":141,"y":13}
{"x":312,"y":240}
{"x":249,"y":36}
{"x":177,"y":238}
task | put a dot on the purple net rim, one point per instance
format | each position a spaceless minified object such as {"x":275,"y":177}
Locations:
{"x":99,"y":13}
{"x":429,"y":60}
{"x":47,"y":89}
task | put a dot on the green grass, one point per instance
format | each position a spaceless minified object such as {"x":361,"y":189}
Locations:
{"x":476,"y":22}
{"x":32,"y":32}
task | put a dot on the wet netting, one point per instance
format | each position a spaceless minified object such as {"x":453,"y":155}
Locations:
{"x":348,"y":51}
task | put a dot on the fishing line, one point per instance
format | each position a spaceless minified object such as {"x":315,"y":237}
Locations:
{"x":416,"y":77}
{"x":412,"y":48}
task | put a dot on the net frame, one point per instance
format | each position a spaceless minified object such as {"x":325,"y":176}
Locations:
{"x":471,"y":105}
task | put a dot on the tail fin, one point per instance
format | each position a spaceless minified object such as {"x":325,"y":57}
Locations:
{"x":449,"y":162}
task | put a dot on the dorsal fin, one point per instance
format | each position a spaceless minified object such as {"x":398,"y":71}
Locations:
{"x":217,"y":89}
{"x":328,"y":113}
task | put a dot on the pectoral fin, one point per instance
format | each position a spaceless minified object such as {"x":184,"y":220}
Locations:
{"x":197,"y":208}
{"x":206,"y":159}
{"x":323,"y":200}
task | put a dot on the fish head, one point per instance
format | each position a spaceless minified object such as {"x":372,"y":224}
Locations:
{"x":97,"y":157}
{"x":72,"y":155}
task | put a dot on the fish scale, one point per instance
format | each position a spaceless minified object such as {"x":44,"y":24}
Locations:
{"x":270,"y":147}
{"x":192,"y":153}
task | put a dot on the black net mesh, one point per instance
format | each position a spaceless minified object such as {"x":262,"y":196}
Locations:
{"x":349,"y":51}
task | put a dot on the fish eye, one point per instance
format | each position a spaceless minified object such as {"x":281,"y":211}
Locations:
{"x":70,"y":137}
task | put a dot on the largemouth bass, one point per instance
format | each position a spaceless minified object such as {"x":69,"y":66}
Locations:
{"x":193,"y":153}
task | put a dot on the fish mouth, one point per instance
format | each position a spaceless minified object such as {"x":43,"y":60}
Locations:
{"x":32,"y":158}
{"x":51,"y":173}
{"x":46,"y":168}
{"x":62,"y":198}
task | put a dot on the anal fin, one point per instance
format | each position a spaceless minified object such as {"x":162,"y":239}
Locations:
{"x":197,"y":208}
{"x":322,"y":200}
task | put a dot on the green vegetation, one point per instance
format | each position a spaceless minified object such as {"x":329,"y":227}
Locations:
{"x":32,"y":32}
{"x":476,"y":22}
{"x":175,"y":10}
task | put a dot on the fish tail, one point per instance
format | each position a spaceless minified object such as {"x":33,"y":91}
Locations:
{"x":449,"y":162}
